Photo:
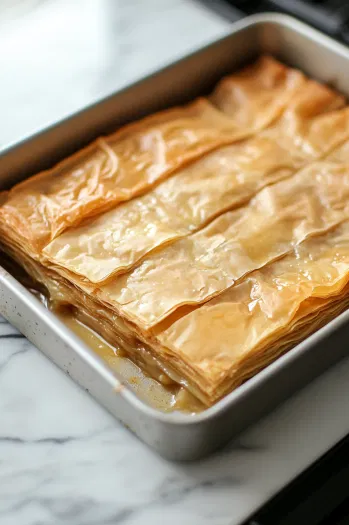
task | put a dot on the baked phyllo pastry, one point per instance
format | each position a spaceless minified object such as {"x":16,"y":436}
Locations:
{"x":204,"y":240}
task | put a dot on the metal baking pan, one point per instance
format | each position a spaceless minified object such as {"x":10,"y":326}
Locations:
{"x":177,"y":436}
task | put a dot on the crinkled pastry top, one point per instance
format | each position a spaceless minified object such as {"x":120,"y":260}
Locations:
{"x":213,"y":234}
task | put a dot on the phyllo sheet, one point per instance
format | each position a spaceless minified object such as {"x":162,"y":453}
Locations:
{"x":202,"y":265}
{"x":204,"y":240}
{"x":227,"y":178}
{"x":118,"y":167}
{"x":235,"y":335}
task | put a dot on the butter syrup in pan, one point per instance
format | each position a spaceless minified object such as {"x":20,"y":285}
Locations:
{"x":155,"y":388}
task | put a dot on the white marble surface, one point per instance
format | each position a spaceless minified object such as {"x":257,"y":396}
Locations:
{"x":63,"y":460}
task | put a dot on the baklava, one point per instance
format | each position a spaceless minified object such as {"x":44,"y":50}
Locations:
{"x":204,"y":240}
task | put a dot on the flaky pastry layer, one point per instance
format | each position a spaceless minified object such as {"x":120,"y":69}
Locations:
{"x":206,"y":240}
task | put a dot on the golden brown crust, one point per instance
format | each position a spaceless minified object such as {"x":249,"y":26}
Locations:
{"x":212,"y":236}
{"x":245,"y":322}
{"x":133,"y":159}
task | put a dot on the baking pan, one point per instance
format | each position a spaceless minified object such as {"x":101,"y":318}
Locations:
{"x":176,"y":435}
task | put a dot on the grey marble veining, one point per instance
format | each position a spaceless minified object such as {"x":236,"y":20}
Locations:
{"x":63,"y":459}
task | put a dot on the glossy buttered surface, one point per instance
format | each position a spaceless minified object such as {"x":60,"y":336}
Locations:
{"x":118,"y":167}
{"x":224,"y":179}
{"x":206,"y":239}
{"x":259,"y":313}
{"x":237,"y":242}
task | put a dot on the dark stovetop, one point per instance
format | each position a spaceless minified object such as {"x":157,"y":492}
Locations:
{"x":320,"y":496}
{"x":330,"y":16}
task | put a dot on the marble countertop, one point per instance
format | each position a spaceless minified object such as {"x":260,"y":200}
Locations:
{"x":63,"y":459}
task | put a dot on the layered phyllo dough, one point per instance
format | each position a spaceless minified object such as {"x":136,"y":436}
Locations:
{"x":205,"y":240}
